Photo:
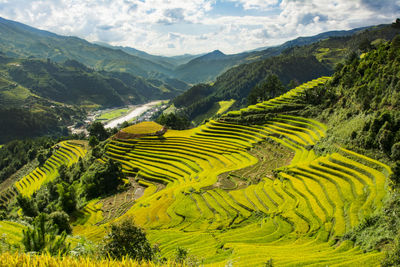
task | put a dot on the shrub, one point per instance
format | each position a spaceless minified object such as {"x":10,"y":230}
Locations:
{"x":61,"y":220}
{"x":102,"y":179}
{"x":28,"y":207}
{"x":93,"y":141}
{"x":181,"y":254}
{"x":126,"y":239}
{"x":42,"y":238}
{"x":396,"y":151}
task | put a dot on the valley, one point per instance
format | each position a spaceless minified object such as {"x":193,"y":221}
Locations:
{"x":280,"y":156}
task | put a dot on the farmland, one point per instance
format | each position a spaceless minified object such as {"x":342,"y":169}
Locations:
{"x":230,"y":193}
{"x":305,"y":204}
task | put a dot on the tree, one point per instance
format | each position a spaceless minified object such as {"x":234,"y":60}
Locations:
{"x":395,"y":176}
{"x":28,"y":207}
{"x":93,"y":141}
{"x":293,"y":84}
{"x":174,"y":121}
{"x":126,"y":239}
{"x":61,"y":220}
{"x":97,"y":129}
{"x":365,"y":45}
{"x":41,"y":158}
{"x":396,"y":24}
{"x":269,"y":89}
{"x":385,"y":138}
{"x":42,"y":238}
{"x":102,"y":179}
{"x":396,"y":151}
{"x":67,"y":197}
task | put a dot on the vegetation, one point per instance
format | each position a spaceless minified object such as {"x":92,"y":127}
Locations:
{"x":271,"y":88}
{"x":147,"y":127}
{"x":127,"y":240}
{"x":102,"y":179}
{"x":174,"y":121}
{"x":313,"y":169}
{"x":112,"y":114}
{"x":42,"y":238}
{"x":299,"y":63}
{"x":16,"y":154}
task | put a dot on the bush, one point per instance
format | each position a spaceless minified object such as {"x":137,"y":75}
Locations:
{"x":126,"y":239}
{"x":181,"y":255}
{"x":97,"y":130}
{"x":61,"y":220}
{"x":93,"y":141}
{"x":42,"y":238}
{"x":28,"y":207}
{"x":102,"y":179}
{"x":396,"y":151}
{"x":174,"y":121}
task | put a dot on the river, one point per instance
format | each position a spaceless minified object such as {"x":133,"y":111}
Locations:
{"x":137,"y":111}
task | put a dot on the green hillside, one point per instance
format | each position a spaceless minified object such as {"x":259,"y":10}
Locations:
{"x":208,"y":67}
{"x":307,"y":175}
{"x":42,"y":86}
{"x":73,"y":83}
{"x":297,"y":63}
{"x":19,"y":40}
{"x":267,"y":184}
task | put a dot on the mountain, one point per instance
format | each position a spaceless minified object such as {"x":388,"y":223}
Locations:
{"x":316,"y":170}
{"x":34,"y":88}
{"x":19,"y":40}
{"x":300,"y":41}
{"x":207,"y":67}
{"x":299,"y":63}
{"x":168,"y":62}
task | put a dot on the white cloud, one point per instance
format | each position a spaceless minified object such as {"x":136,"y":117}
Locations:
{"x":256,"y":4}
{"x":183,"y":26}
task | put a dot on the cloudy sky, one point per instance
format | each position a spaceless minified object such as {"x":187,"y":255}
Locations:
{"x":173,"y":27}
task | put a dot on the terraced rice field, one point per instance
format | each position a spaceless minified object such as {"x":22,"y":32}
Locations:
{"x":11,"y":231}
{"x":293,"y":214}
{"x":65,"y":153}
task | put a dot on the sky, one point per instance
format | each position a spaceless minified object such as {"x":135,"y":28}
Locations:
{"x":176,"y":27}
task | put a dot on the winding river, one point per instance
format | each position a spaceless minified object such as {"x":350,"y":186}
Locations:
{"x":139,"y":110}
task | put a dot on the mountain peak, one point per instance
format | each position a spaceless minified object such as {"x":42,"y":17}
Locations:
{"x":216,"y":54}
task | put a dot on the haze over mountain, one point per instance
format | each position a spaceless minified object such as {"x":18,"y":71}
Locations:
{"x":19,"y":40}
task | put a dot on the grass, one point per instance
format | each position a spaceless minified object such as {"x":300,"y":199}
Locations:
{"x":225,"y":105}
{"x":65,"y":152}
{"x":11,"y":231}
{"x":285,"y":204}
{"x":110,"y":115}
{"x":146,"y":127}
{"x":14,"y":260}
{"x":218,"y":108}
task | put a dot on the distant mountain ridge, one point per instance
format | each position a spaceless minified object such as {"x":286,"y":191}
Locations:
{"x":291,"y":63}
{"x":20,"y":40}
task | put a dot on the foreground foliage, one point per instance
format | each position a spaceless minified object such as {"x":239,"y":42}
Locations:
{"x":15,"y":260}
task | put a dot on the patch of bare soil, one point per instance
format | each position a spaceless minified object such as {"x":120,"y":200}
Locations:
{"x":270,"y":155}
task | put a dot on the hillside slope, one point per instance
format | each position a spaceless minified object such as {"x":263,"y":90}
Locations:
{"x":32,"y":89}
{"x":19,"y":40}
{"x":199,"y":70}
{"x":300,"y":63}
